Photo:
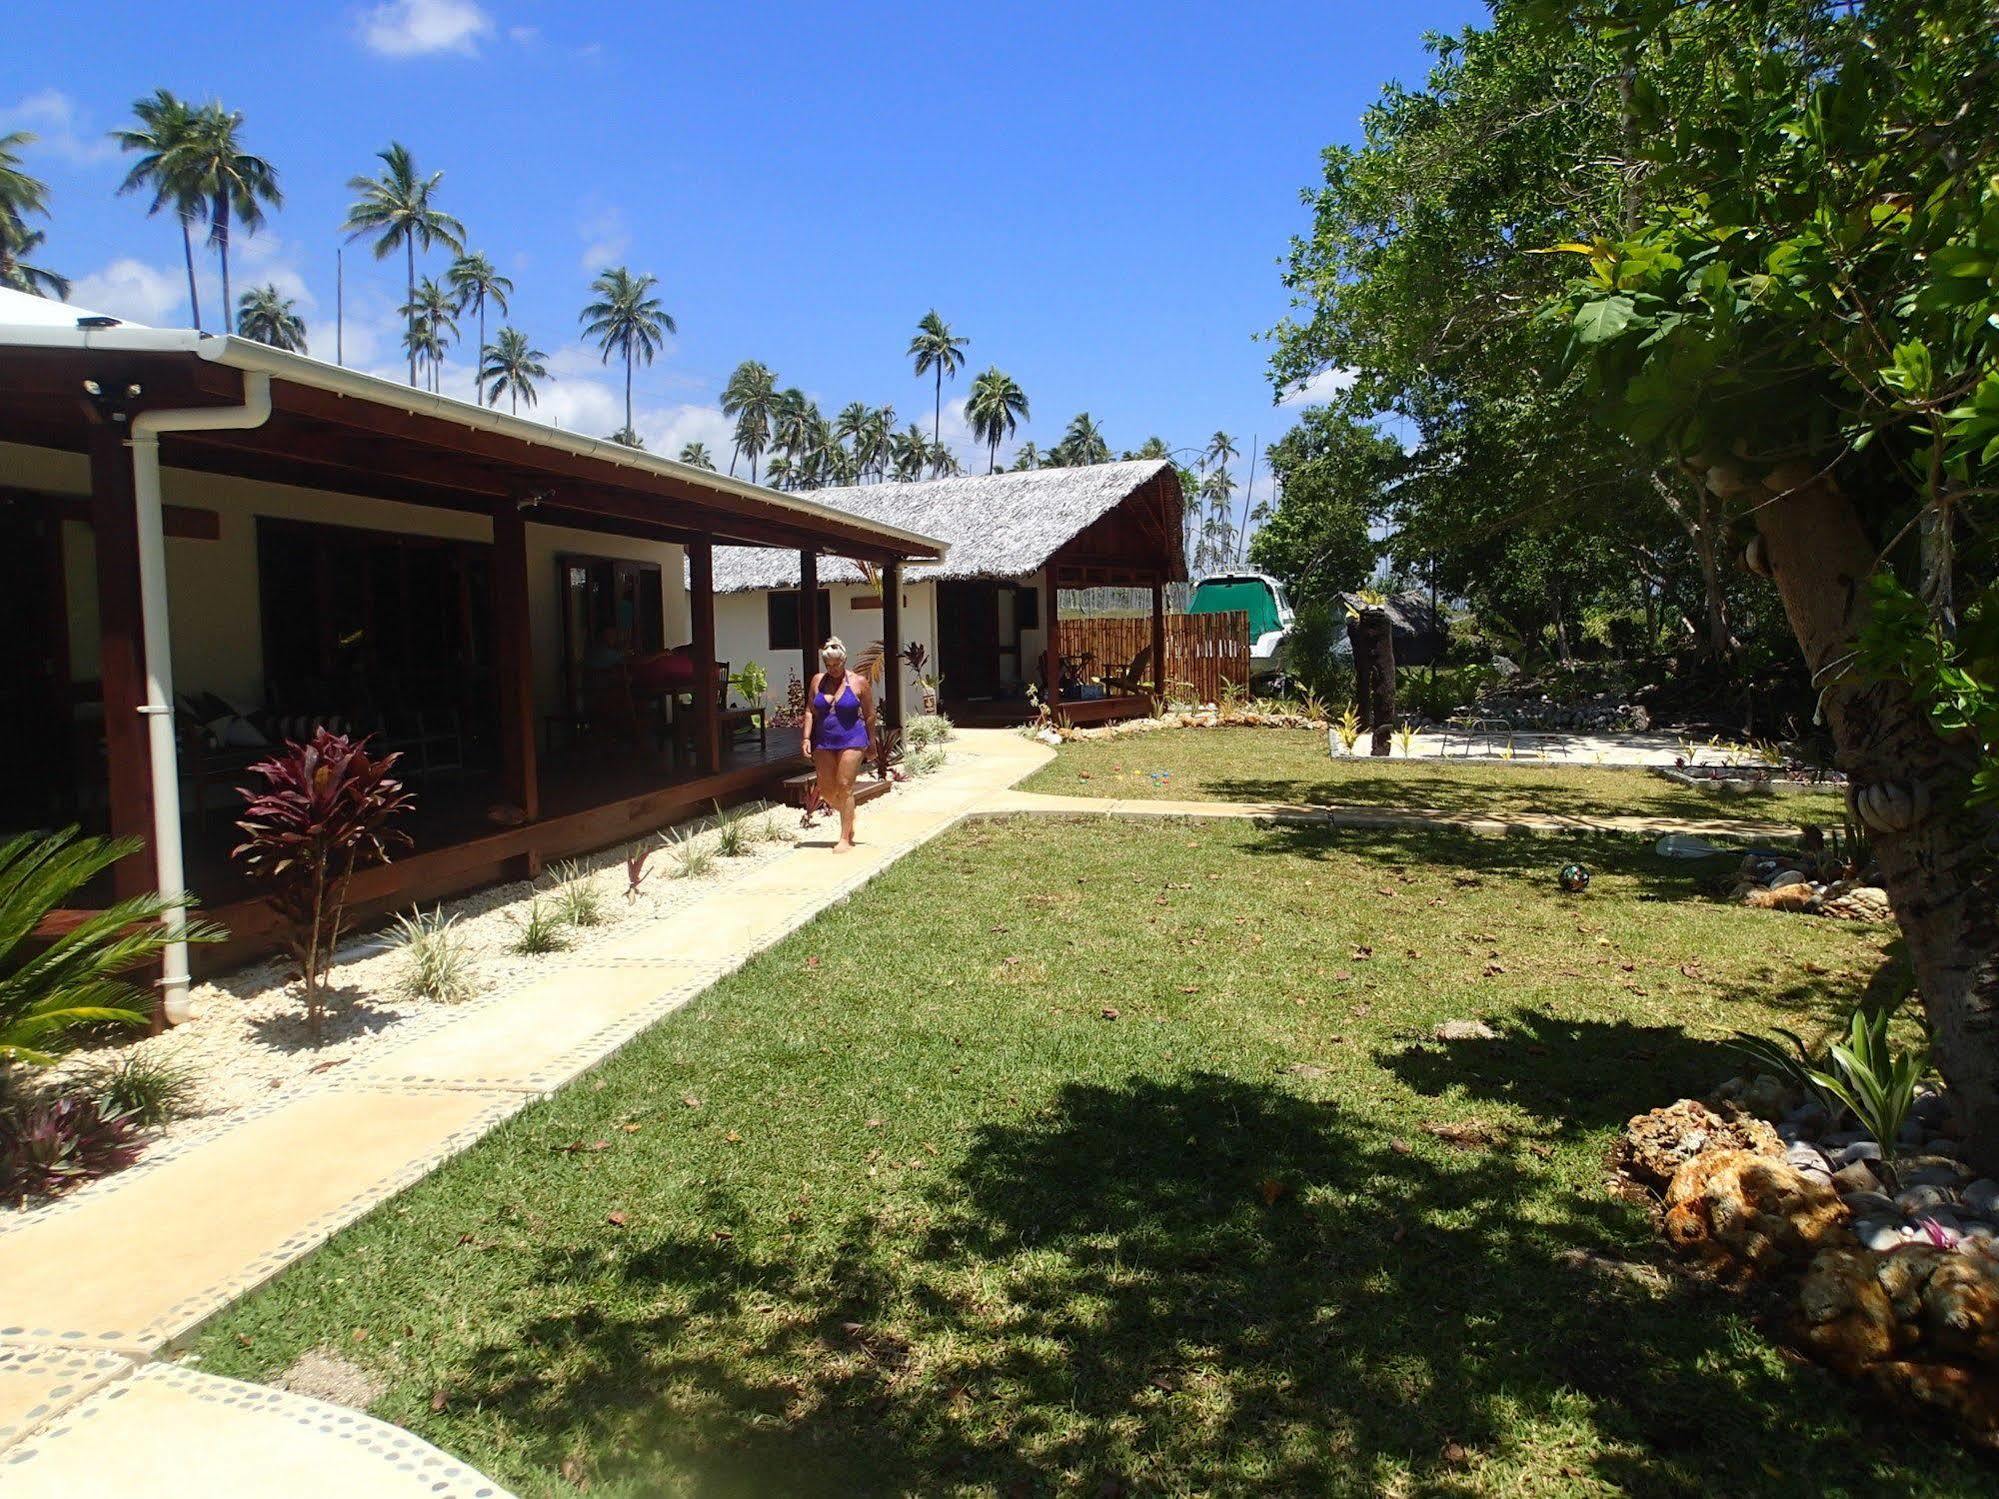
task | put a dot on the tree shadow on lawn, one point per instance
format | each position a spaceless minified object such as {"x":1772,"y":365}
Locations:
{"x":1437,"y":789}
{"x":1190,"y":1285}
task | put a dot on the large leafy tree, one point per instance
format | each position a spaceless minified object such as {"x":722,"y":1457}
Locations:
{"x":474,"y":282}
{"x":397,"y":209}
{"x":510,"y":367}
{"x":628,"y":321}
{"x":1798,"y":313}
{"x":1417,"y":282}
{"x":164,"y":138}
{"x":996,"y":408}
{"x":1333,"y":471}
{"x":270,"y":317}
{"x":938,"y":352}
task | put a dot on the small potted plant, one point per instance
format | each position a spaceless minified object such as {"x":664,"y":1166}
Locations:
{"x":917,"y":657}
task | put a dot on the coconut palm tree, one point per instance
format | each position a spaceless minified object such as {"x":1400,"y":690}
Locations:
{"x":696,"y":455}
{"x":237,"y":184}
{"x":510,"y":367}
{"x":852,"y":426}
{"x":943,"y":462}
{"x":165,"y":132}
{"x":1153,"y":447}
{"x":908,"y":451}
{"x":1027,"y":456}
{"x":627,"y":320}
{"x":1218,"y":489}
{"x":779,"y":475}
{"x":1221,"y":450}
{"x":937,"y":351}
{"x":995,"y":409}
{"x":474,"y":283}
{"x":793,"y":418}
{"x":21,"y":195}
{"x":270,"y":317}
{"x":433,"y":325}
{"x":629,"y":437}
{"x":396,"y":209}
{"x":749,"y":398}
{"x":1083,"y":443}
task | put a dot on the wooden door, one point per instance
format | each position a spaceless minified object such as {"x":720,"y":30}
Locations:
{"x":968,"y":638}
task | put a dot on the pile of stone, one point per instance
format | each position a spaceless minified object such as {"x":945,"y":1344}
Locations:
{"x":1800,"y":882}
{"x":1888,"y":1259}
{"x":1600,"y":713}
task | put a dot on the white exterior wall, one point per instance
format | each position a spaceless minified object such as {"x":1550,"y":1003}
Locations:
{"x":742,"y":631}
{"x":215,"y":607}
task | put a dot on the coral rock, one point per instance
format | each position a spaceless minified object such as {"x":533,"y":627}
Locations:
{"x":1800,"y":897}
{"x":1844,"y":1317}
{"x":1656,"y":1145}
{"x":1969,"y":1396}
{"x":1961,"y":1307}
{"x":1744,"y":1214}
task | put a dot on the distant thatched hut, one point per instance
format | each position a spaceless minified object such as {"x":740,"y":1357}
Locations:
{"x":984,"y":613}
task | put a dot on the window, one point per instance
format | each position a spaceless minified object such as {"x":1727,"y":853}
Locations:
{"x":782,"y":609}
{"x":1026,"y":608}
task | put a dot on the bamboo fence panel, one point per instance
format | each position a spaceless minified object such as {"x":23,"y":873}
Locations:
{"x":1205,"y":653}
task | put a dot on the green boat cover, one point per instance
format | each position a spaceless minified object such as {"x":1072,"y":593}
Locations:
{"x":1251,"y":595}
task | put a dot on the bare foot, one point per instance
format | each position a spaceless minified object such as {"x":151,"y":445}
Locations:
{"x":844,"y":846}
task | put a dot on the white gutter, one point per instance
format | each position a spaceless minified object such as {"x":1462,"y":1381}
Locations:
{"x":168,"y":863}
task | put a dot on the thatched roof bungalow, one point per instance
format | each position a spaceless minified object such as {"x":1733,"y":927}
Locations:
{"x":983,"y":611}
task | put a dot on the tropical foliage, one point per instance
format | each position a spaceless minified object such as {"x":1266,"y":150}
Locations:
{"x":270,"y":317}
{"x":20,"y":196}
{"x":627,"y":320}
{"x":82,"y":977}
{"x":939,"y":353}
{"x":474,"y":283}
{"x":326,"y":808}
{"x":510,"y":368}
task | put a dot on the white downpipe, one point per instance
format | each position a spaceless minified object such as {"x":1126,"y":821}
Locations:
{"x":170,"y":871}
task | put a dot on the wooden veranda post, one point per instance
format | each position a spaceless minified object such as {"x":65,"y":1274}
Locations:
{"x":892,"y":645}
{"x":122,"y":653}
{"x":1051,"y":648}
{"x":1159,"y":638}
{"x":513,"y":666}
{"x":808,"y":618}
{"x":707,"y":688}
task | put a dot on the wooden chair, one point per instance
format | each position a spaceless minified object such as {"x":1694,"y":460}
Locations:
{"x":1135,"y":677}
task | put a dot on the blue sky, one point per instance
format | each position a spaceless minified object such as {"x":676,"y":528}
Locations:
{"x":1096,"y":195}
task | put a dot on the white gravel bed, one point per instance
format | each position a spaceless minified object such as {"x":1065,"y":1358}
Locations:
{"x":248,"y":1038}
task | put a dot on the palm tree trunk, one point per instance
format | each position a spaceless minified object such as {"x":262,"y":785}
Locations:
{"x":187,"y":251}
{"x":222,"y":247}
{"x":409,"y":298}
{"x":937,"y":414}
{"x":477,"y":398}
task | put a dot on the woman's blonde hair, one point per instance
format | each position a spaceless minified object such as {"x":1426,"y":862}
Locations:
{"x":835,"y":649}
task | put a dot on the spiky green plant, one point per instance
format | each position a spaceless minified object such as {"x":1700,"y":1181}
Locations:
{"x":578,"y":901}
{"x":688,"y":857}
{"x":143,"y":1086}
{"x":1876,"y":1082}
{"x":1348,"y":728}
{"x":78,"y":978}
{"x":436,"y":959}
{"x":540,"y":932}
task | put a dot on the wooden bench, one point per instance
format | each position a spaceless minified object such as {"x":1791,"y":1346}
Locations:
{"x":864,"y":791}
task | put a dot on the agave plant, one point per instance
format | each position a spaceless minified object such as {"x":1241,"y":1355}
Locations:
{"x":79,"y":978}
{"x":326,"y":809}
{"x":1878,"y":1084}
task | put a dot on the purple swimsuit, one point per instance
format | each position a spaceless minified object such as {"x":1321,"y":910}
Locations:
{"x":837,"y":722}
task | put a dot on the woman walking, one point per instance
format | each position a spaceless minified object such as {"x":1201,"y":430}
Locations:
{"x":839,"y":707}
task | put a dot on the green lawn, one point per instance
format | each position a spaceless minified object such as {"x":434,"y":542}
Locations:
{"x":1107,"y":1158}
{"x":1291,"y":765}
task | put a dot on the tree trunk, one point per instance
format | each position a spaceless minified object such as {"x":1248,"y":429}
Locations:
{"x":222,"y":248}
{"x":409,"y":299}
{"x":1941,"y":873}
{"x":1363,"y":671}
{"x":1381,"y":666}
{"x":187,"y":251}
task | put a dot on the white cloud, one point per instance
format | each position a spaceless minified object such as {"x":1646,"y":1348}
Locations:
{"x":135,"y":291}
{"x":606,"y":237}
{"x":421,"y":28}
{"x":58,"y":127}
{"x":1319,"y":388}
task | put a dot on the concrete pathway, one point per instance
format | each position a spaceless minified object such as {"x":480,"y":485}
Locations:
{"x":96,"y":1286}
